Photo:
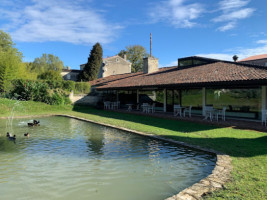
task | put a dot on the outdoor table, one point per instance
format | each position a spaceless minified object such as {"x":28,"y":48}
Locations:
{"x":178,"y":110}
{"x":209,"y":113}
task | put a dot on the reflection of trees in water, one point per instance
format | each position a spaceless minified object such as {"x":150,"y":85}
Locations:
{"x":95,"y":140}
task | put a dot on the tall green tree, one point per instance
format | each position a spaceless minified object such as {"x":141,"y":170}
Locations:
{"x":46,"y":63}
{"x":11,"y":65}
{"x":135,"y":54}
{"x":94,"y":63}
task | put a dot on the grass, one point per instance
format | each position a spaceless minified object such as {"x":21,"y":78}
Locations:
{"x":247,"y":148}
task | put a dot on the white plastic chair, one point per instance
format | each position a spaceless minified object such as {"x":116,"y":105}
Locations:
{"x":145,"y":107}
{"x":106,"y":104}
{"x":209,"y":112}
{"x":152,"y":108}
{"x":177,"y":109}
{"x":221,"y":113}
{"x":188,"y":110}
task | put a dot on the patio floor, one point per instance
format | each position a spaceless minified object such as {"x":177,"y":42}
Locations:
{"x":229,"y":122}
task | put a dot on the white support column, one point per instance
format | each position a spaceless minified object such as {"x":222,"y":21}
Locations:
{"x":137,"y":96}
{"x":263,"y":99}
{"x":165,"y":98}
{"x":203,"y":100}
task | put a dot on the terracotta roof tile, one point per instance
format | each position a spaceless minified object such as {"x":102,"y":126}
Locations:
{"x":203,"y":74}
{"x":257,"y":57}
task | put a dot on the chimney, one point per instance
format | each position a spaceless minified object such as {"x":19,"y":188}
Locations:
{"x":125,"y":57}
{"x":150,"y":65}
{"x":68,"y":68}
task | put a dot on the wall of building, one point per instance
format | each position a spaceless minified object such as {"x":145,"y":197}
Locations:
{"x":84,"y":99}
{"x":113,"y":66}
{"x":69,"y":75}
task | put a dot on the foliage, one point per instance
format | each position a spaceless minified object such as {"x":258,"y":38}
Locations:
{"x":50,"y":75}
{"x":41,"y":91}
{"x":30,"y":90}
{"x":11,"y":65}
{"x":47,"y":62}
{"x":93,"y":65}
{"x":135,"y":55}
{"x":82,"y":88}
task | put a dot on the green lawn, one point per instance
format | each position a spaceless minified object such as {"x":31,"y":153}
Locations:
{"x":248,"y":149}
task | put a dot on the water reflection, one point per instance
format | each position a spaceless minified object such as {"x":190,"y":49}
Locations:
{"x":66,"y":159}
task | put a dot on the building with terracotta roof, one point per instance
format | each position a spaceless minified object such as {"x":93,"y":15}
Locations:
{"x":196,"y":82}
{"x":256,"y":60}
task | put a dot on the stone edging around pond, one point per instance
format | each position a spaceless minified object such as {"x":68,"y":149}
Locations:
{"x":216,"y":180}
{"x":219,"y":176}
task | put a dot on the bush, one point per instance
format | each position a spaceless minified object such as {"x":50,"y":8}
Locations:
{"x":29,"y":90}
{"x":50,"y":75}
{"x":41,"y":91}
{"x":82,"y":88}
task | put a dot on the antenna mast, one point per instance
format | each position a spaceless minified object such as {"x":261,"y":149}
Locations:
{"x":150,"y":44}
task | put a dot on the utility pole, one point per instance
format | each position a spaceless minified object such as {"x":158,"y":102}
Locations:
{"x":150,"y":44}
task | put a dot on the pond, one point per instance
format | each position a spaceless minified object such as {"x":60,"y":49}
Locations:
{"x":65,"y":158}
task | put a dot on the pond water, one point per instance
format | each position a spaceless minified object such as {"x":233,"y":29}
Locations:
{"x":66,"y":158}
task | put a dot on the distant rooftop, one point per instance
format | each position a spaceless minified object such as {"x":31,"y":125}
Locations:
{"x":256,"y":57}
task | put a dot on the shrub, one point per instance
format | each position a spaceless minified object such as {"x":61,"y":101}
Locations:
{"x":82,"y":88}
{"x":41,"y":91}
{"x":50,"y":75}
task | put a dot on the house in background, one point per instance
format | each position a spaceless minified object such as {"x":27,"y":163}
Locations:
{"x":113,"y":66}
{"x":70,"y":74}
{"x":256,"y":60}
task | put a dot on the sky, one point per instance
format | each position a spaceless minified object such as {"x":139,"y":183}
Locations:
{"x":180,"y":28}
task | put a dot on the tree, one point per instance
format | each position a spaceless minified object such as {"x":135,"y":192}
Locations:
{"x":50,"y":75}
{"x":135,"y":55}
{"x":235,"y":57}
{"x":11,"y":65}
{"x":47,"y":62}
{"x":93,"y":65}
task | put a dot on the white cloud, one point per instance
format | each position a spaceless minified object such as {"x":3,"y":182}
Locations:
{"x":227,"y":27}
{"x":231,"y":12}
{"x":64,"y":21}
{"x":232,"y":4}
{"x":262,"y":42}
{"x":176,"y":12}
{"x":240,"y":52}
{"x":235,"y":15}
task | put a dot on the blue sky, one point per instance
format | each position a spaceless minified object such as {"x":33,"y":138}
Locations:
{"x":180,"y":28}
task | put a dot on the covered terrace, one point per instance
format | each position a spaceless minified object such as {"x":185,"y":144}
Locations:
{"x":196,"y":82}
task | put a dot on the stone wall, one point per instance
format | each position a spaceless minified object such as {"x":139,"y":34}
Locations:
{"x":85,"y":99}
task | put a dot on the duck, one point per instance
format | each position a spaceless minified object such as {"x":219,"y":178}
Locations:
{"x":26,"y":134}
{"x":35,"y":123}
{"x":12,"y":137}
{"x":7,"y":134}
